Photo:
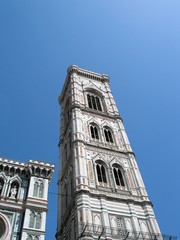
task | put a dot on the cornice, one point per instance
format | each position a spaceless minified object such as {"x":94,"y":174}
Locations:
{"x":115,"y":196}
{"x":12,"y":205}
{"x":105,"y":195}
{"x":81,"y":72}
{"x":88,"y":74}
{"x":13,"y":163}
{"x":33,"y":231}
{"x":97,"y":113}
{"x":37,"y":201}
{"x":103,"y":149}
{"x":28,"y":166}
{"x":41,"y":163}
{"x":36,"y":208}
{"x":32,"y":162}
{"x":84,"y":109}
{"x":17,"y":205}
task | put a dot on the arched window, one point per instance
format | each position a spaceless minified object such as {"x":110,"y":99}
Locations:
{"x":38,"y":189}
{"x":118,"y":176}
{"x":94,"y":132}
{"x":38,"y":221}
{"x":35,"y":189}
{"x":35,"y":220}
{"x":41,"y":187}
{"x":108,"y":135}
{"x":1,"y":185}
{"x":94,"y":102}
{"x":101,"y":173}
{"x":36,"y":238}
{"x":14,"y":189}
{"x":32,"y":220}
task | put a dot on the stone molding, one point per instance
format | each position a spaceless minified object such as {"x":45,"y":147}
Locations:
{"x":115,"y":196}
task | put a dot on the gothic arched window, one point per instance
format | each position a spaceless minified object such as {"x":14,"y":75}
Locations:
{"x":38,"y":221}
{"x":108,"y":135}
{"x":118,"y":176}
{"x":35,"y":220}
{"x":32,"y":220}
{"x":38,"y":189}
{"x":101,"y":173}
{"x":35,"y":189}
{"x":94,"y":132}
{"x":41,"y":187}
{"x":1,"y":185}
{"x":94,"y":102}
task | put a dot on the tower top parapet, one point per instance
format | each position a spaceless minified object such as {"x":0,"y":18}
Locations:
{"x":83,"y":73}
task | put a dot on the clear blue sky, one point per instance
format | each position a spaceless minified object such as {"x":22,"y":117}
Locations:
{"x":136,"y":42}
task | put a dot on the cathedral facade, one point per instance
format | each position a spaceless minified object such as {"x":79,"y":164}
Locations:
{"x":101,"y":191}
{"x":23,"y":198}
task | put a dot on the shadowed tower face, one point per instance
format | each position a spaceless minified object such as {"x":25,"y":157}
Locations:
{"x":101,"y":192}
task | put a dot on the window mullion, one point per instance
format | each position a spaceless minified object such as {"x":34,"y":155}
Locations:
{"x":94,"y":102}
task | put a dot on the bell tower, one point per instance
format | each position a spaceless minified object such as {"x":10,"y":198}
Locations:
{"x":101,"y":191}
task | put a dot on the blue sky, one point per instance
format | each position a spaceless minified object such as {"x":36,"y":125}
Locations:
{"x":135,"y":42}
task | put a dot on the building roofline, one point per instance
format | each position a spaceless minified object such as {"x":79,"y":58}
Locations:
{"x":26,"y":164}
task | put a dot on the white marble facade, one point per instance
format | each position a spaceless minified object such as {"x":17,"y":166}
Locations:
{"x":23,"y":192}
{"x":101,"y":191}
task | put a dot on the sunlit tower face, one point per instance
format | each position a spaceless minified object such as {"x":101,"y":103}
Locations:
{"x":101,"y":191}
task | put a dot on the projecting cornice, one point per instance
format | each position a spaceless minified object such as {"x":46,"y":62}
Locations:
{"x":84,"y":73}
{"x":33,"y":167}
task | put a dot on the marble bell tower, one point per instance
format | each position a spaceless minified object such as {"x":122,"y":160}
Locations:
{"x":101,"y":191}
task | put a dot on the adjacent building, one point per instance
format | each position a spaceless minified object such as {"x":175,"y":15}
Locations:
{"x":101,"y":191}
{"x":23,"y":198}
